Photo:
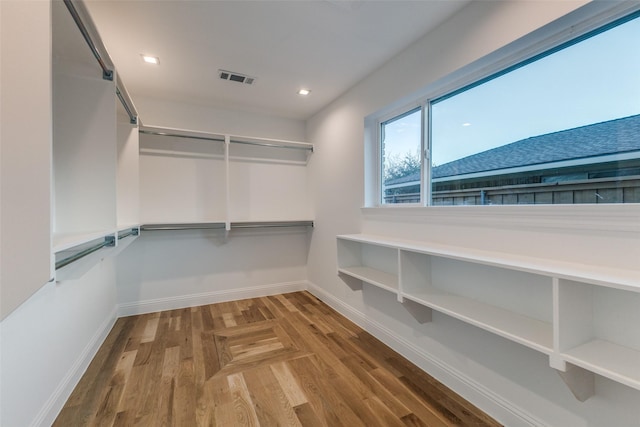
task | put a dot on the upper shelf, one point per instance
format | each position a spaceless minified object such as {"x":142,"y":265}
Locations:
{"x":625,"y":279}
{"x":217,"y":137}
{"x":223,"y":225}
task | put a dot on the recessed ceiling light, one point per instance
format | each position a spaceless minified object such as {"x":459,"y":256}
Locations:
{"x":304,"y":92}
{"x":466,"y":124}
{"x":150,"y":59}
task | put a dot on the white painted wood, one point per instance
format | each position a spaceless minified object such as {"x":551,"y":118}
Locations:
{"x":568,"y":320}
{"x":183,"y":180}
{"x":580,"y":381}
{"x":84,"y":149}
{"x":619,"y":363}
{"x":595,"y":330}
{"x":520,"y":292}
{"x":527,"y":331}
{"x":500,"y":407}
{"x":415,"y":271}
{"x":594,"y":274}
{"x":575,"y":314}
{"x":128,"y":170}
{"x":77,"y":269}
{"x":267,"y":184}
{"x":49,"y":341}
{"x":249,"y":182}
{"x":372,"y":276}
{"x":64,"y":241}
{"x":25,"y":151}
{"x":420,"y":312}
{"x":376,"y":265}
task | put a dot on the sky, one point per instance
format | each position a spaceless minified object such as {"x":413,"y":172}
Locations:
{"x":590,"y":82}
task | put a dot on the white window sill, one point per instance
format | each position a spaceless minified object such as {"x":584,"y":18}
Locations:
{"x":622,"y":218}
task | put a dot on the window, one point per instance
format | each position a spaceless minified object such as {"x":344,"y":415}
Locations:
{"x":562,"y":127}
{"x":401,"y":159}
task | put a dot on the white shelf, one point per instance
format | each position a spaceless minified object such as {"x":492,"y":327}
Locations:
{"x":64,"y":241}
{"x":621,"y":364}
{"x":372,"y":276}
{"x":571,"y":312}
{"x":527,"y":331}
{"x":586,"y":273}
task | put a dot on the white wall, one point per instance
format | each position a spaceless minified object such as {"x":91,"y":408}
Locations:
{"x":169,"y":269}
{"x":48,"y":342}
{"x":25,"y":150}
{"x":49,"y":331}
{"x":155,"y":112}
{"x":509,"y":381}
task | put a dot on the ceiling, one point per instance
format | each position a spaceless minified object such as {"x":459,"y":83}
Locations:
{"x":326,"y":46}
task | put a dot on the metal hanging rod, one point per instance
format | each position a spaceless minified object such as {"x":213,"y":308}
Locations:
{"x":132,"y":117}
{"x":108,"y":241}
{"x":202,"y":138}
{"x":132,"y":232}
{"x":233,"y":140}
{"x":107,"y":73}
{"x":178,"y":226}
{"x":271,"y":144}
{"x":271,"y":224}
{"x":221,"y":225}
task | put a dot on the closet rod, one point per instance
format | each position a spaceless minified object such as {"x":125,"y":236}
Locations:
{"x":203,"y":138}
{"x":107,"y":74}
{"x":267,"y":144}
{"x":269,"y":224}
{"x":108,"y":241}
{"x":132,"y":117}
{"x":194,"y":226}
{"x":132,"y":232}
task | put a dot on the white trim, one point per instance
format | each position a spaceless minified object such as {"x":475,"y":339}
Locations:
{"x":50,"y":410}
{"x":616,"y":218}
{"x":194,"y":300}
{"x":500,"y":408}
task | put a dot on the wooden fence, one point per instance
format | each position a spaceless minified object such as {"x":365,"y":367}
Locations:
{"x":603,"y":190}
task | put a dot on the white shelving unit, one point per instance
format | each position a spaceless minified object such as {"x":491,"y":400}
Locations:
{"x":595,"y":332}
{"x":194,"y":177}
{"x":578,"y":315}
{"x":95,"y":153}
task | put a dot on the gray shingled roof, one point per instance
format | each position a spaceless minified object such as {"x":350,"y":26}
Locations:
{"x":614,"y":136}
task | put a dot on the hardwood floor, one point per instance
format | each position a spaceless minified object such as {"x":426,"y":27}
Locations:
{"x":285,"y":360}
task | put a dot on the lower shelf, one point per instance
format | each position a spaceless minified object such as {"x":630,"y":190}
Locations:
{"x":525,"y":330}
{"x":621,"y":364}
{"x":372,"y":276}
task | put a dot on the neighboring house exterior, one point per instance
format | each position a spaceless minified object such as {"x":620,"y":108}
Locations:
{"x":597,"y":163}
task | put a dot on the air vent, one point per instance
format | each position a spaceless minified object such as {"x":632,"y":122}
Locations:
{"x":236,"y":77}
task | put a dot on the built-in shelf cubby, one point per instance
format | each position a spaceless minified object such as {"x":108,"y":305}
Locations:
{"x":485,"y":296}
{"x":373,"y":264}
{"x":579,"y":315}
{"x":597,"y":330}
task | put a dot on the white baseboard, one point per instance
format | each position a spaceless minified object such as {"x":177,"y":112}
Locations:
{"x":58,"y":398}
{"x":498,"y":407}
{"x":194,"y":300}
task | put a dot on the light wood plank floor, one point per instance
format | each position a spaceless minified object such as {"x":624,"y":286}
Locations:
{"x":285,"y":360}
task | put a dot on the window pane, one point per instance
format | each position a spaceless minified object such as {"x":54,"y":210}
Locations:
{"x":400,"y":143}
{"x":562,"y":129}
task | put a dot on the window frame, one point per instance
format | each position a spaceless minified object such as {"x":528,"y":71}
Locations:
{"x":584,"y":22}
{"x":398,"y":114}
